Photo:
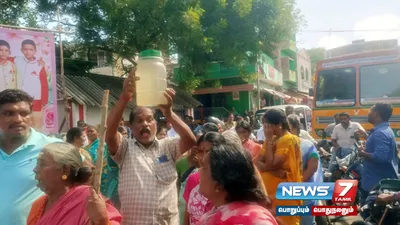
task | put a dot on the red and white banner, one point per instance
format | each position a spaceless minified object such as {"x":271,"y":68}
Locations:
{"x":28,"y":62}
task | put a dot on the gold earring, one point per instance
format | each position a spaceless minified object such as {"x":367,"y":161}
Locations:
{"x":64,"y":177}
{"x":217,"y":190}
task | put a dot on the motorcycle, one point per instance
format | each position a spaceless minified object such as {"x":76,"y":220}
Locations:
{"x":349,"y":168}
{"x":388,"y":214}
{"x":349,"y":165}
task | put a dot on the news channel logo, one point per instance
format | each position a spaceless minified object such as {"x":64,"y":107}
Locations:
{"x":342,"y":191}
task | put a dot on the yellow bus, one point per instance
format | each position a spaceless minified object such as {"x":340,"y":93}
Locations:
{"x":354,"y":83}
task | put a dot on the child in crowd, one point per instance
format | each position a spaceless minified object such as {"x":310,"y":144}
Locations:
{"x":32,"y":78}
{"x":8,"y":71}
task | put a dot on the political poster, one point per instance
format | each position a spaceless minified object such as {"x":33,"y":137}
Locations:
{"x":27,"y":62}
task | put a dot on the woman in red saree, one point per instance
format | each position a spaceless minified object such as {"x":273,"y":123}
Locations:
{"x":62,"y":175}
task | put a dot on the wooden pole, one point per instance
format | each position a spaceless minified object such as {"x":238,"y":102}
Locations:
{"x":63,"y":85}
{"x":100,"y":149}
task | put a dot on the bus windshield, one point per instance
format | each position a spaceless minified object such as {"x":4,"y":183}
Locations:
{"x":336,"y":87}
{"x":380,"y":83}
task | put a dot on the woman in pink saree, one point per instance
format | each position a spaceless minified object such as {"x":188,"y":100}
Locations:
{"x":243,"y":129}
{"x":62,"y":175}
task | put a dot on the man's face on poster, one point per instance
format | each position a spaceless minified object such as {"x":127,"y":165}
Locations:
{"x":4,"y":52}
{"x":29,"y":51}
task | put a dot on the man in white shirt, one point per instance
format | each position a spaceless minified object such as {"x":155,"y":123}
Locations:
{"x":260,"y":133}
{"x":343,"y":138}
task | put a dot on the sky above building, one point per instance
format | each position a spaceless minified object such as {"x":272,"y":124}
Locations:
{"x":355,"y":16}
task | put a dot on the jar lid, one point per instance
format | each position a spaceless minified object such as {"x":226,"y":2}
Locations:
{"x":150,"y":53}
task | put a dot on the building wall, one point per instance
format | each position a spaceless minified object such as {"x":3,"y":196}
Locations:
{"x":77,"y":113}
{"x":240,"y":105}
{"x":285,"y":68}
{"x":91,"y":115}
{"x":304,"y":75}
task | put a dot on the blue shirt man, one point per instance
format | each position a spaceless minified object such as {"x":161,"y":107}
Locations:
{"x":19,"y":148}
{"x":380,"y":154}
{"x":383,"y":160}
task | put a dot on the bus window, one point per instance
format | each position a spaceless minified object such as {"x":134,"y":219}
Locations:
{"x":336,"y":87}
{"x":380,"y":83}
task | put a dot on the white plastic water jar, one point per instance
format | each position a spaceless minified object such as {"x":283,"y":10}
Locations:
{"x":151,"y":86}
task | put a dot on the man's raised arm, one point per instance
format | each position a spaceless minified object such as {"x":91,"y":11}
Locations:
{"x":113,"y":139}
{"x":187,"y":138}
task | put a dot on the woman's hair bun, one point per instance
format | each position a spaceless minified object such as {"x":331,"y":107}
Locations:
{"x":82,"y":175}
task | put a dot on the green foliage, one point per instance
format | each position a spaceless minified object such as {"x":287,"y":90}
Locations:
{"x":199,"y":31}
{"x":231,"y":30}
{"x":316,"y":54}
{"x":11,"y":11}
{"x":72,"y":66}
{"x":216,"y":83}
{"x":249,"y":78}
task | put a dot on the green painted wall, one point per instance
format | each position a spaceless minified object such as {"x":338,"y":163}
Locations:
{"x":216,"y":71}
{"x":292,"y":65}
{"x":232,"y":81}
{"x":240,"y":105}
{"x":284,"y":54}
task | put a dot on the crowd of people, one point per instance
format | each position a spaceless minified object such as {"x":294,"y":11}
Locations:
{"x":213,"y":173}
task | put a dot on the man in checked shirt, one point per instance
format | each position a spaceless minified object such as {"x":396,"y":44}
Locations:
{"x":147,"y":179}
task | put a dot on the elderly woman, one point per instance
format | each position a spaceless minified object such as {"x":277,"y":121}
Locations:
{"x":109,"y":178}
{"x":62,"y":175}
{"x":228,"y":179}
{"x":312,"y":171}
{"x":281,"y":159}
